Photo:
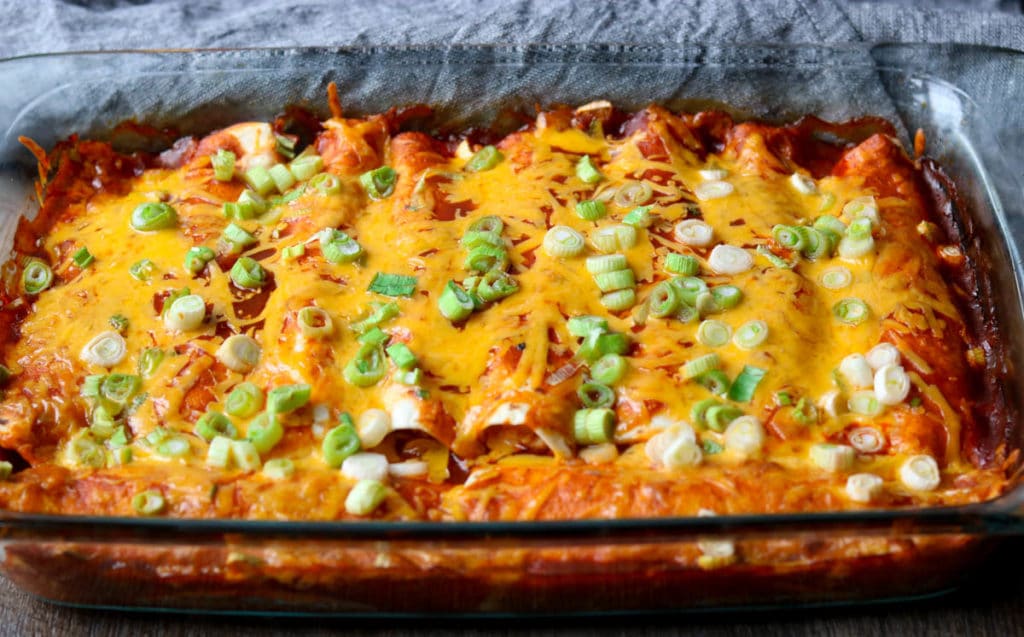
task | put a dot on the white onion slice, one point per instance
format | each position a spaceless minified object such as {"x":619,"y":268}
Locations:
{"x":239,"y":353}
{"x":694,"y":232}
{"x":365,"y":466}
{"x":857,"y":372}
{"x":727,"y":259}
{"x":409,"y":469}
{"x":863,"y":487}
{"x":713,"y":190}
{"x":105,"y":349}
{"x":920,"y":473}
{"x":373,"y":426}
{"x":866,"y":439}
{"x":713,"y":174}
{"x":891,"y":384}
{"x":745,"y":435}
{"x":803,"y":184}
{"x":883,"y":354}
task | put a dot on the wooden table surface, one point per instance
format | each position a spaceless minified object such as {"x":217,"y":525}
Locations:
{"x":991,"y":604}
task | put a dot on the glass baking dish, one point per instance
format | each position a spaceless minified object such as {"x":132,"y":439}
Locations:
{"x":957,"y":95}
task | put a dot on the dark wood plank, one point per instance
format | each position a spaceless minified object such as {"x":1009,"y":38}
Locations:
{"x":992,"y":604}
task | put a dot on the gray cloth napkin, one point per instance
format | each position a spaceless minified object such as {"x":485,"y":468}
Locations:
{"x":68,"y":25}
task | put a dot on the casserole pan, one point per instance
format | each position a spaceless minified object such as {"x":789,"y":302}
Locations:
{"x":952,"y":94}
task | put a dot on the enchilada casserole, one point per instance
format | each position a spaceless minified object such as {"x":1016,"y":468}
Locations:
{"x":600,"y":315}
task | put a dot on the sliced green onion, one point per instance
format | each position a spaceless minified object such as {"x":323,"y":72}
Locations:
{"x":338,"y":247}
{"x":836,"y":278}
{"x":315,"y":322}
{"x":587,"y":171}
{"x":264,"y":432}
{"x":751,"y":334}
{"x":617,"y":280}
{"x":490,"y":223}
{"x":865,"y":403}
{"x":816,"y":244}
{"x":726,"y":296}
{"x":283,"y":178}
{"x":373,"y":336}
{"x":239,"y":353}
{"x":727,"y":259}
{"x":633,"y":193}
{"x":326,"y":184}
{"x":219,"y":452}
{"x":118,"y":439}
{"x":850,"y":248}
{"x":851,"y":311}
{"x":711,"y":447}
{"x":788,"y":237}
{"x":718,"y":417}
{"x":828,"y":222}
{"x":259,"y":179}
{"x":367,"y":368}
{"x":106,"y":349}
{"x":713,"y":190}
{"x":614,"y":238}
{"x":596,"y":395}
{"x":244,"y":401}
{"x":484,"y":159}
{"x":236,"y":238}
{"x":149,"y":502}
{"x":409,"y":377}
{"x":286,"y":398}
{"x":116,"y":390}
{"x":142,"y":270}
{"x":154,"y":216}
{"x":705,"y":304}
{"x":581,"y":326}
{"x":496,"y":285}
{"x":619,"y":300}
{"x":101,"y":423}
{"x":486,"y":258}
{"x":290,"y":253}
{"x":36,"y":277}
{"x":279,"y":468}
{"x":612,"y":343}
{"x":715,"y":381}
{"x":742,"y":389}
{"x":609,"y":369}
{"x":213,"y":424}
{"x":149,"y":361}
{"x":197,"y":257}
{"x":832,"y":458}
{"x":91,"y":386}
{"x":859,"y":228}
{"x":379,"y":182}
{"x":83,"y":258}
{"x":223,"y":162}
{"x":591,"y":210}
{"x":252,"y":204}
{"x":689,"y":288}
{"x":248,"y":273}
{"x":683,"y":264}
{"x":699,"y":410}
{"x":606,"y":263}
{"x":392,"y":284}
{"x":593,"y":426}
{"x":304,"y":167}
{"x":474,"y":238}
{"x":773,"y":258}
{"x":245,"y":455}
{"x":713,"y":333}
{"x":664,"y":300}
{"x":639,"y":217}
{"x":563,"y":241}
{"x":174,"y":447}
{"x":454,"y":303}
{"x":381,"y":312}
{"x":340,"y":443}
{"x":285,"y":145}
{"x":700,"y":365}
{"x":365,"y":497}
{"x":805,"y":412}
{"x":401,"y":356}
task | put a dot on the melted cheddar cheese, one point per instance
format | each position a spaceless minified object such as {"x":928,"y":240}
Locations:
{"x":492,"y":413}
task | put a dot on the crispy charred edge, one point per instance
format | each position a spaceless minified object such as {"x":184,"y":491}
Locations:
{"x":975,"y":299}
